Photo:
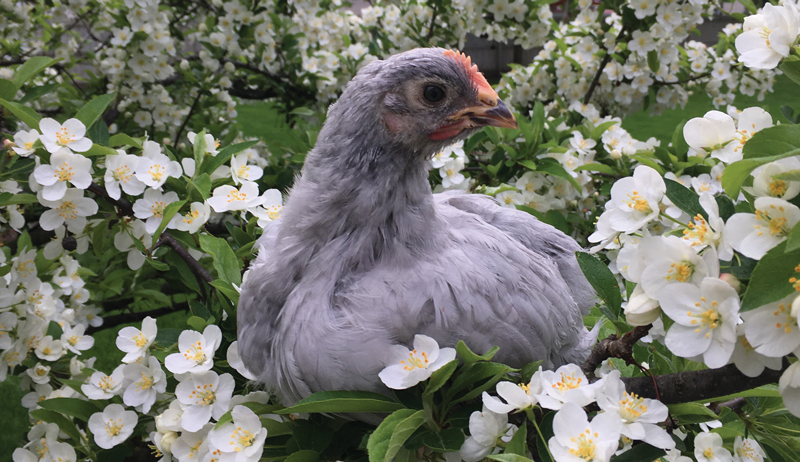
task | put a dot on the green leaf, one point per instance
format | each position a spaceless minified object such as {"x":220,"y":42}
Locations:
{"x":652,"y":60}
{"x":98,"y":132}
{"x":642,"y":452}
{"x":36,"y":92}
{"x":764,"y":391}
{"x":791,"y":175}
{"x":600,"y":129}
{"x":551,"y":166}
{"x":684,"y":198}
{"x":388,"y":438}
{"x":92,"y":110}
{"x":679,"y":142}
{"x":72,"y":407}
{"x":31,"y":67}
{"x":63,"y":423}
{"x":519,"y":442}
{"x":546,"y":430}
{"x":7,"y":89}
{"x":603,"y":281}
{"x":509,"y":458}
{"x":99,"y":150}
{"x":769,"y":281}
{"x":23,"y":113}
{"x":122,"y":139}
{"x":197,"y":323}
{"x":780,"y":140}
{"x":440,"y":377}
{"x":469,"y":357}
{"x":791,"y":69}
{"x":226,"y":263}
{"x":202,"y":183}
{"x":595,"y":167}
{"x":304,"y":455}
{"x":726,"y":207}
{"x":17,"y":199}
{"x":687,"y":413}
{"x":200,"y":148}
{"x":54,"y":330}
{"x":160,"y":266}
{"x":224,"y":156}
{"x":169,"y":336}
{"x":793,"y":243}
{"x":447,"y":440}
{"x":751,"y":7}
{"x":169,"y":212}
{"x":343,"y":401}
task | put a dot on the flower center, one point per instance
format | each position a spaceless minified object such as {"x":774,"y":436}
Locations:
{"x":158,"y":208}
{"x":680,"y":271}
{"x":64,"y":172}
{"x":708,"y":453}
{"x":243,"y":437}
{"x":144,"y":384}
{"x":64,"y":137}
{"x":274,"y":211}
{"x":73,"y":340}
{"x":140,"y":340}
{"x":122,"y":174}
{"x":190,"y":217}
{"x":777,"y":187}
{"x":156,"y":172}
{"x":243,"y":171}
{"x":106,"y":383}
{"x":113,"y":428}
{"x":585,"y":446}
{"x":697,"y":231}
{"x":236,"y":195}
{"x":638,"y":203}
{"x":789,"y":322}
{"x":203,"y":395}
{"x":747,"y":452}
{"x":195,"y":353}
{"x":415,"y":360}
{"x":567,"y":382}
{"x":631,"y":407}
{"x":67,"y":210}
{"x":776,"y":224}
{"x":709,"y":318}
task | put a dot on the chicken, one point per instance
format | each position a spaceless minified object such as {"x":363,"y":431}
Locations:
{"x":365,"y":256}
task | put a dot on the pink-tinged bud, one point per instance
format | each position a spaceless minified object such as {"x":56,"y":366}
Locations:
{"x":8,"y":144}
{"x":732,"y":280}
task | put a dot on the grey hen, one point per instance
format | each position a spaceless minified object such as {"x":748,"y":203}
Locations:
{"x":365,"y":256}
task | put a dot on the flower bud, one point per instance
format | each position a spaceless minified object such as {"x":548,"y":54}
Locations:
{"x":616,"y":154}
{"x":167,"y":440}
{"x":184,"y":65}
{"x":796,"y":307}
{"x":202,"y":27}
{"x":641,"y":310}
{"x":229,"y":67}
{"x":732,"y":280}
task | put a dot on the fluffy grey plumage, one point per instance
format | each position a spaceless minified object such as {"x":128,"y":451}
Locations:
{"x":365,"y":256}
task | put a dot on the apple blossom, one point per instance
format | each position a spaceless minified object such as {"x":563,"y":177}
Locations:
{"x":203,"y":395}
{"x":576,"y":438}
{"x":25,"y":141}
{"x":228,"y":198}
{"x":755,"y":234}
{"x":151,"y":208}
{"x":705,"y":320}
{"x":74,"y":340}
{"x":64,"y":167}
{"x":112,"y":426}
{"x":121,"y":173}
{"x":240,"y":171}
{"x":102,"y":386}
{"x":708,"y":448}
{"x":198,"y":215}
{"x":409,"y":367}
{"x":567,"y":384}
{"x":195,"y":350}
{"x":243,"y":438}
{"x":517,"y":397}
{"x":487,"y":429}
{"x":135,"y":342}
{"x":154,"y":168}
{"x":71,"y":209}
{"x":768,"y":36}
{"x":70,"y":135}
{"x":145,"y":382}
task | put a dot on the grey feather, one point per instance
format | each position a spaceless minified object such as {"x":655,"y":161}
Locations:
{"x":365,"y":256}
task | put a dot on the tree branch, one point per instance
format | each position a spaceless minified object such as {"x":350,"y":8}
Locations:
{"x":124,"y":206}
{"x":681,"y":82}
{"x":125,"y":318}
{"x":685,"y":387}
{"x":603,"y":63}
{"x":613,"y":347}
{"x":198,"y":270}
{"x":188,"y":116}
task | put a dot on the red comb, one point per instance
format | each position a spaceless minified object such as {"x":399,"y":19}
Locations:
{"x":472,"y":69}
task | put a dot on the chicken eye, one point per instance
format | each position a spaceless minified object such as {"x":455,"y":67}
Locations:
{"x":433,"y":93}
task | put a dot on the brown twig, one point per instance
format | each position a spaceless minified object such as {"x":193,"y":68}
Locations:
{"x":703,"y":385}
{"x":125,"y":208}
{"x":432,"y":26}
{"x":599,"y":73}
{"x":188,"y":116}
{"x":125,"y":318}
{"x":198,"y":270}
{"x":614,"y":347}
{"x":681,"y":82}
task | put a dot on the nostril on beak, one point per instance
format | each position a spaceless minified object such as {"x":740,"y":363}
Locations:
{"x":491,"y":102}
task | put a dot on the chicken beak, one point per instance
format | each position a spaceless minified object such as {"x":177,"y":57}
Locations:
{"x":491,"y":111}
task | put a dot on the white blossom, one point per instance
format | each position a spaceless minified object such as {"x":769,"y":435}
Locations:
{"x":112,"y":426}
